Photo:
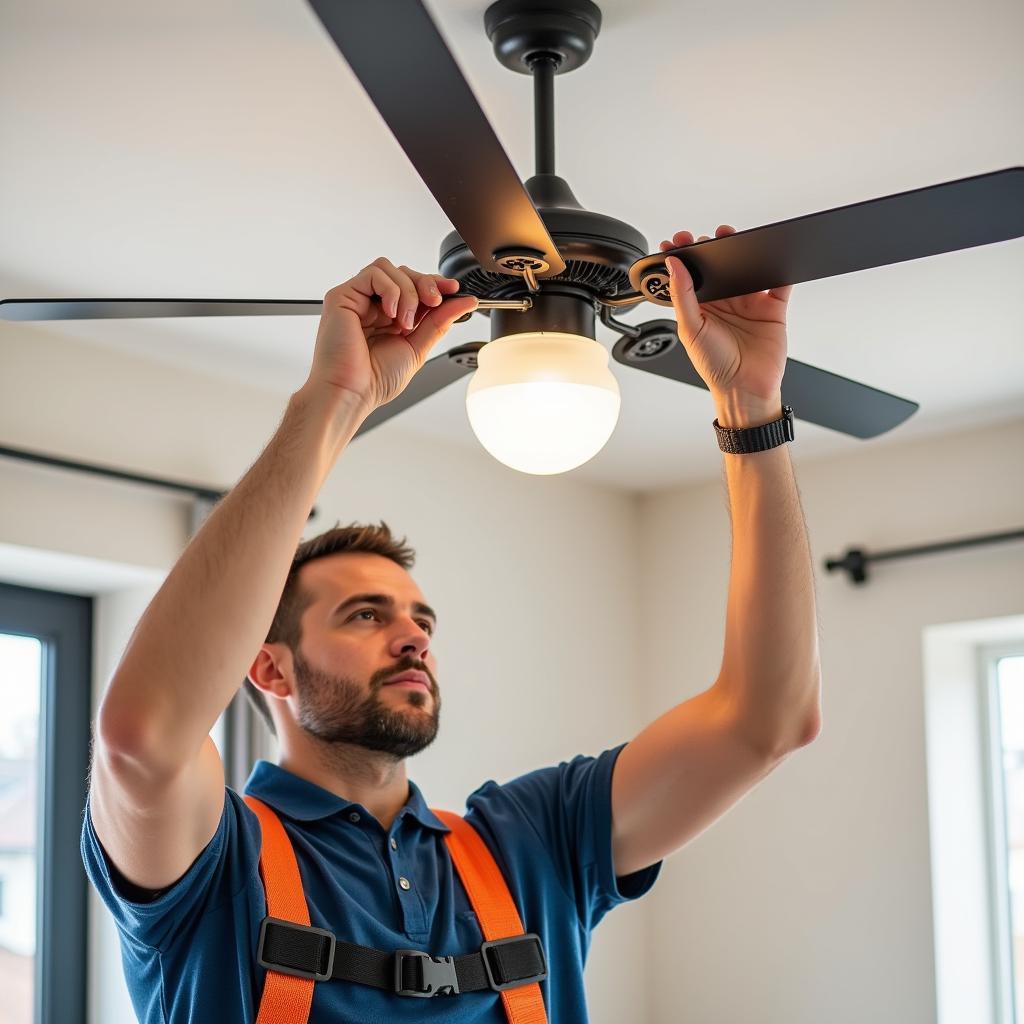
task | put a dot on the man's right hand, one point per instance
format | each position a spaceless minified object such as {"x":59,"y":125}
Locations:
{"x":373,"y":348}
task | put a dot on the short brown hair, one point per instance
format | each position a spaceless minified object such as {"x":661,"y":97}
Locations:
{"x":287,"y":626}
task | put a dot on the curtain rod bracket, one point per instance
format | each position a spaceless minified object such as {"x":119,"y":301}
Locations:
{"x":856,"y":560}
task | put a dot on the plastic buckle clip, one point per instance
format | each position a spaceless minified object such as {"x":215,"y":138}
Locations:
{"x":438,"y":975}
{"x":297,"y":972}
{"x":519,"y":981}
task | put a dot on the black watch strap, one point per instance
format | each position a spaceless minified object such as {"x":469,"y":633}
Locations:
{"x":743,"y":441}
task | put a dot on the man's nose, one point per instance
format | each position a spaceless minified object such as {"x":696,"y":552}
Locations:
{"x":412,"y":640}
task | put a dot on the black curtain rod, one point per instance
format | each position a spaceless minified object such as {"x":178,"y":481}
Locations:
{"x":855,"y":561}
{"x":194,"y":490}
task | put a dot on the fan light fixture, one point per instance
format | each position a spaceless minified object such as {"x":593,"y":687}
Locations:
{"x":543,"y":402}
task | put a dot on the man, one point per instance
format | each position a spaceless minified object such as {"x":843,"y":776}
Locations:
{"x":175,"y":854}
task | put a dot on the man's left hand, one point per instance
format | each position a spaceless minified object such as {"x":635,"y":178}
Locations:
{"x":737,"y":345}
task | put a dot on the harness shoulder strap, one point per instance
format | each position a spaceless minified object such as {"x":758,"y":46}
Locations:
{"x":495,"y":909}
{"x":286,"y":999}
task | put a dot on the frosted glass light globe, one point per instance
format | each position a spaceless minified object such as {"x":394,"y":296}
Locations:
{"x":543,"y":402}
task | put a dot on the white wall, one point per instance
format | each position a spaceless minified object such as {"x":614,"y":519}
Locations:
{"x":811,"y":899}
{"x":535,"y":579}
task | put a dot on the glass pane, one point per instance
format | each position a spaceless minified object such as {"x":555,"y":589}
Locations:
{"x":1010,"y":675}
{"x":20,"y":664}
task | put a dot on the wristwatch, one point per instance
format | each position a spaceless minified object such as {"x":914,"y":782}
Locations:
{"x":743,"y":441}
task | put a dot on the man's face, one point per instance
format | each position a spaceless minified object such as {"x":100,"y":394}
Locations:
{"x":350,"y":649}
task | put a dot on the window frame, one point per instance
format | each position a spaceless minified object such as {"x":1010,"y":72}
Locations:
{"x":999,"y":896}
{"x":63,"y":624}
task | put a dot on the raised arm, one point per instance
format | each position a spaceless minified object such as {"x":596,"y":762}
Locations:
{"x":698,"y":759}
{"x":157,"y":782}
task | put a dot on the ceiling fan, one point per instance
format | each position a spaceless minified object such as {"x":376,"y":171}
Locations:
{"x":539,"y":262}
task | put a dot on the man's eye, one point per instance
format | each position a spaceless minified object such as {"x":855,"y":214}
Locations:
{"x":423,"y":622}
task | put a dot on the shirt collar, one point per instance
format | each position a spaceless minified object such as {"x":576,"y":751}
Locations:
{"x":303,"y":800}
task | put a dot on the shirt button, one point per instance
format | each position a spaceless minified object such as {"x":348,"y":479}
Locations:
{"x":394,"y":845}
{"x":354,"y":816}
{"x":404,"y":883}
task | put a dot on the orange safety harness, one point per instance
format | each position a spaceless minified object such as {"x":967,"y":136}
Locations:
{"x":297,"y":956}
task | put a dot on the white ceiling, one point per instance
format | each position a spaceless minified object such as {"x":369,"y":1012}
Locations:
{"x":224,"y":149}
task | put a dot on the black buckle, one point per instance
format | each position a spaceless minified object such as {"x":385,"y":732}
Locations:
{"x":297,"y":972}
{"x":519,"y":981}
{"x":438,"y":975}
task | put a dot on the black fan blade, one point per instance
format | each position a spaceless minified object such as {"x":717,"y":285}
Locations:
{"x":399,"y":57}
{"x":121,"y":309}
{"x":815,"y":395}
{"x":434,"y":375}
{"x":941,"y":218}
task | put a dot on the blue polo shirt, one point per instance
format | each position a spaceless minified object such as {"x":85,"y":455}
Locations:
{"x":189,"y":955}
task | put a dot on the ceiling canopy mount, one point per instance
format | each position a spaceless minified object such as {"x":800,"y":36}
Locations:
{"x":525,"y":32}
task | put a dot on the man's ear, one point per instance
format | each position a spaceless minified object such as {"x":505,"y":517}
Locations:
{"x":273,"y":670}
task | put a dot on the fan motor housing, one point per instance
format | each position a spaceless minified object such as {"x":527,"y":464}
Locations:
{"x":598,"y":250}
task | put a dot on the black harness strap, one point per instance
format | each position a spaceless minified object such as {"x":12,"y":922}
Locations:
{"x":315,"y":953}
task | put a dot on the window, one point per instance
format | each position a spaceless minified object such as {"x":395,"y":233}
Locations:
{"x":1003,"y":683}
{"x":45,"y":683}
{"x":19,"y":739}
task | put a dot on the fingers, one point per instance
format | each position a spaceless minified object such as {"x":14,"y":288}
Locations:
{"x":370,"y":281}
{"x":426,"y":286}
{"x":681,"y":238}
{"x":403,"y":308}
{"x":437,"y":322}
{"x":689,"y":316}
{"x":403,"y":294}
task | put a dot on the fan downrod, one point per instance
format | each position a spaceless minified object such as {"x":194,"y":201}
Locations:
{"x":522,"y":30}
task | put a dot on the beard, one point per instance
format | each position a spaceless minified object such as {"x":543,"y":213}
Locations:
{"x":336,"y":709}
